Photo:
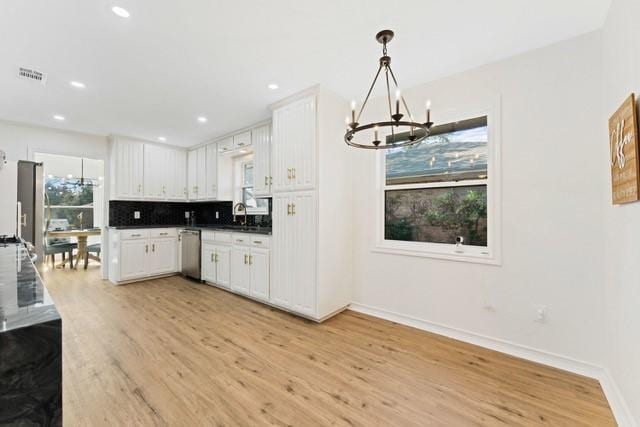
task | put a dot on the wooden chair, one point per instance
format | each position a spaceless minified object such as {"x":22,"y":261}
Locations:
{"x":55,"y":245}
{"x":95,"y":248}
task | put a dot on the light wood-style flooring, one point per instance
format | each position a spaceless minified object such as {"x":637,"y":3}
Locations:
{"x":171,"y":352}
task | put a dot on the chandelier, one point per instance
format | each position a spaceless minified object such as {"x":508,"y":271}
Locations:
{"x":416,"y":131}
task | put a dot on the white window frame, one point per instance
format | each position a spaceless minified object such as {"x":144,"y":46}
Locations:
{"x":250,"y":211}
{"x":492,"y":253}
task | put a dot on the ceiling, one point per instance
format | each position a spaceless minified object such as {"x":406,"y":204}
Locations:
{"x":154,"y":73}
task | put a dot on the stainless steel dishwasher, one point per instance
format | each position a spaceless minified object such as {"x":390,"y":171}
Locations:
{"x":191,"y":253}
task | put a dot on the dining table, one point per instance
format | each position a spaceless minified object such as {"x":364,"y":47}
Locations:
{"x":81,"y":235}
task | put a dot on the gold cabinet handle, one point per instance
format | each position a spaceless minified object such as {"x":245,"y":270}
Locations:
{"x":266,"y":180}
{"x":289,"y":173}
{"x":257,"y":242}
{"x":250,"y":260}
{"x":288,"y":208}
{"x":139,"y":188}
{"x":153,"y":247}
{"x":245,"y":258}
{"x":270,"y":180}
{"x":293,"y":172}
{"x":293,"y":208}
{"x":216,"y":256}
{"x":146,"y":249}
{"x":212,"y":256}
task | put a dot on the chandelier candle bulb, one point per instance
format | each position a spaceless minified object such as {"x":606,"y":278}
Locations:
{"x":353,"y":111}
{"x":397,"y":101}
{"x":428,"y":107}
{"x":375,"y":133}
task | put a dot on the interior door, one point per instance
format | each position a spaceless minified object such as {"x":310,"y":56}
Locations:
{"x":281,"y":251}
{"x":223,"y":266}
{"x":260,"y":273}
{"x":133,"y":259}
{"x":240,"y":269}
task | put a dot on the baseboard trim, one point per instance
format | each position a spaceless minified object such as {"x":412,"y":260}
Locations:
{"x":612,"y":392}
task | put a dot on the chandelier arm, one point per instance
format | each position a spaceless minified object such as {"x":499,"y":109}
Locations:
{"x":373,"y":83}
{"x":386,"y":74}
{"x":393,"y":76}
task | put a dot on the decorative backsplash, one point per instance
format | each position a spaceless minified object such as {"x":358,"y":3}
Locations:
{"x":122,"y":213}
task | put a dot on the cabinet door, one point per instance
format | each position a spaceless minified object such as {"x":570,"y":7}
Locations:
{"x":201,"y":186}
{"x":303,"y":129}
{"x":225,"y":145}
{"x":280,"y":153}
{"x":259,"y":263}
{"x":223,"y":266}
{"x":163,"y":256}
{"x":127,"y":159}
{"x":242,"y":140}
{"x":208,"y":271}
{"x":261,"y":138}
{"x":192,"y":174}
{"x":240,"y":274}
{"x":212,"y":171}
{"x":281,"y":251}
{"x":303,"y":253}
{"x":177,"y":185}
{"x":133,"y":259}
{"x":155,"y":172}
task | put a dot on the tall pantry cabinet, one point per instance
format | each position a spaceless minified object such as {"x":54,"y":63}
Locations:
{"x":311,"y":267}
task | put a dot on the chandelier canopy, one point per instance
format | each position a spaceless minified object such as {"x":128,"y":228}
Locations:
{"x":417,"y":131}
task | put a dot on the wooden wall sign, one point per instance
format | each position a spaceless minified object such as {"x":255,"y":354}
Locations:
{"x":625,"y":165}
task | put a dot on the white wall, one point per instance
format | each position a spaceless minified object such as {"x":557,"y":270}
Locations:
{"x":20,"y":141}
{"x":621,"y":76}
{"x":552,"y":210}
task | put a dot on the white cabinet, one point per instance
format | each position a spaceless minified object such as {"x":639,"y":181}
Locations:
{"x":164,"y":173}
{"x":163,"y":256}
{"x":242,"y":140}
{"x":261,"y":141}
{"x":144,"y":253}
{"x":294,"y":146}
{"x":225,"y":145}
{"x":192,"y":174}
{"x":211,"y":172}
{"x":127,"y":168}
{"x":293,"y":284}
{"x":259,"y":276}
{"x":132,"y":257}
{"x":177,"y":176}
{"x":216,"y":264}
{"x":311,"y":267}
{"x":240,"y":269}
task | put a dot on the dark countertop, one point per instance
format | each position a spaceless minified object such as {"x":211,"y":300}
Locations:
{"x":219,"y":227}
{"x":24,"y":300}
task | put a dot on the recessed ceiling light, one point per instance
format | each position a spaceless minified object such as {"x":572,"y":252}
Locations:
{"x":120,"y":11}
{"x":202,"y":119}
{"x":58,"y":117}
{"x":273,"y":86}
{"x":162,"y":139}
{"x":78,"y":85}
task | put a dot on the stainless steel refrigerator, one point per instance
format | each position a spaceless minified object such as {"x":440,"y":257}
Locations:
{"x":31,"y":205}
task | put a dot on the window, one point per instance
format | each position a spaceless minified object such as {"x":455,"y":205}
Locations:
{"x":71,"y":205}
{"x":438,"y":192}
{"x":255,"y":206}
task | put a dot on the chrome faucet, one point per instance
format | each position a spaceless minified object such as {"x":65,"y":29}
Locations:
{"x":243,"y":207}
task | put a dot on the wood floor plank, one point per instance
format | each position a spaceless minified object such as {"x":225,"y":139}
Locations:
{"x":171,"y":352}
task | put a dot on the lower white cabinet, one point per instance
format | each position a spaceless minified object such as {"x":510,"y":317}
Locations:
{"x":141,"y":254}
{"x":240,"y":262}
{"x":216,"y":264}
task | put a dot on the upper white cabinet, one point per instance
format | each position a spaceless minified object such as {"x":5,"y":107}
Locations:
{"x":211,"y":171}
{"x":147,"y":171}
{"x":261,"y":141}
{"x":242,"y":140}
{"x":127,"y":168}
{"x":225,"y":145}
{"x":197,"y":173}
{"x":294,"y":146}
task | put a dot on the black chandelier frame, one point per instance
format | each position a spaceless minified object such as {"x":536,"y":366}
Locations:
{"x":395,"y":119}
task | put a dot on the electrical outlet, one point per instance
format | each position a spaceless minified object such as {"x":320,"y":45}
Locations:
{"x":136,"y":215}
{"x":540,"y":314}
{"x":186,"y":214}
{"x":217,"y":215}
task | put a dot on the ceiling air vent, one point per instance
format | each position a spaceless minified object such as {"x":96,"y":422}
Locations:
{"x":32,"y":75}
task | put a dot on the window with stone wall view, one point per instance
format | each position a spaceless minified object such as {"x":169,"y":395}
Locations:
{"x":436,"y":190}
